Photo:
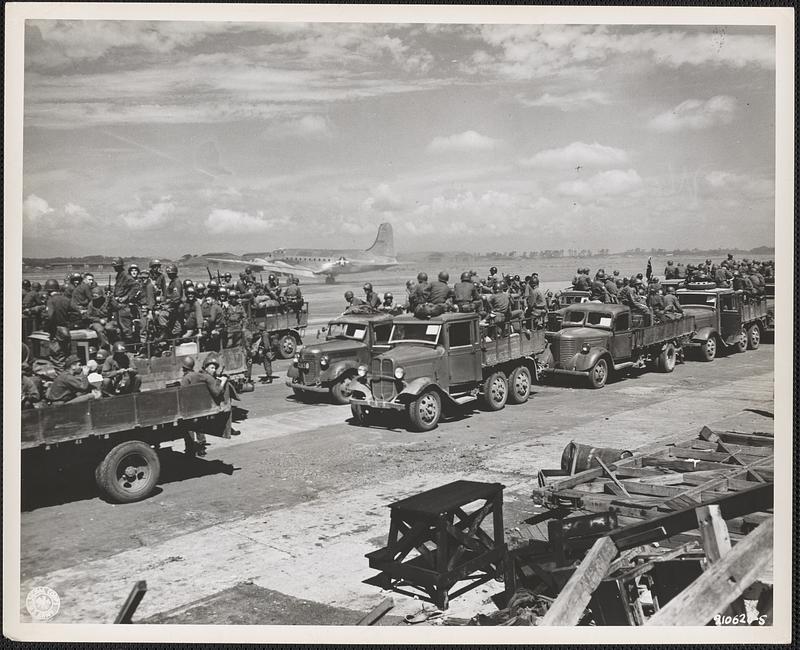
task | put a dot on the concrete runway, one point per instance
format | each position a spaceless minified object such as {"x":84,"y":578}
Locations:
{"x":285,"y":512}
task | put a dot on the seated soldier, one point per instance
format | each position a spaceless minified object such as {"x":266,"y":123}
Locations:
{"x":655,"y":301}
{"x":71,"y":385}
{"x":672,"y":307}
{"x":31,"y":388}
{"x":118,"y":376}
{"x":466,"y":295}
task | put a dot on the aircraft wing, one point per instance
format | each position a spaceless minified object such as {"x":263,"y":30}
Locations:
{"x":279,"y":268}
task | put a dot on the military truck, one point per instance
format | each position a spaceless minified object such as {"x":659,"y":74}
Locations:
{"x":281,"y":329}
{"x":769,"y":294}
{"x":726,"y":319}
{"x":330,"y":366}
{"x":599,"y":338}
{"x":119,"y":437}
{"x":446,"y":361}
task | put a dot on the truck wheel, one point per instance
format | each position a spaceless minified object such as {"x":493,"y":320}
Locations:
{"x":425,"y":411}
{"x":495,"y":391}
{"x":598,"y":375}
{"x":741,"y":343}
{"x":340,"y":391}
{"x":666,"y":360}
{"x":287,"y":346}
{"x":709,"y":349}
{"x":753,"y":336}
{"x":129,"y":472}
{"x":519,"y":384}
{"x":361,"y":414}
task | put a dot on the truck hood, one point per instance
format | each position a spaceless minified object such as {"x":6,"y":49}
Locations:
{"x":333,"y":348}
{"x":403,"y":354}
{"x":583,"y":334}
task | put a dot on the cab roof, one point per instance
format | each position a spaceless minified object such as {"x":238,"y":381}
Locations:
{"x":360,"y":318}
{"x":599,"y":307}
{"x":447,"y":317}
{"x":713,"y":291}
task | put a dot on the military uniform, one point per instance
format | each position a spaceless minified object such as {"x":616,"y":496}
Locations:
{"x":466,"y":296}
{"x":125,"y":290}
{"x":116,"y":382}
{"x":215,"y":387}
{"x":81,"y":296}
{"x":440,"y":292}
{"x":59,"y":313}
{"x":173,"y":298}
{"x":672,"y":307}
{"x":372,"y":299}
{"x":67,"y":387}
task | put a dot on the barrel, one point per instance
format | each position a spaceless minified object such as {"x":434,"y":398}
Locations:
{"x":577,"y":457}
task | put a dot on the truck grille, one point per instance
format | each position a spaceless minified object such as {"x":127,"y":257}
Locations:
{"x":383,"y":384}
{"x":309,"y":375}
{"x":567,"y":348}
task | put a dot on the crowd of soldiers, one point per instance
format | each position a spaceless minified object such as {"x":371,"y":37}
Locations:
{"x":135,"y":315}
{"x":749,"y":276}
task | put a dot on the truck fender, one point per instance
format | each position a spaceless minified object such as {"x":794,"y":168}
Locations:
{"x":337,"y":370}
{"x":585,"y":362}
{"x":703,"y":334}
{"x":415,"y":388}
{"x":360,"y":390}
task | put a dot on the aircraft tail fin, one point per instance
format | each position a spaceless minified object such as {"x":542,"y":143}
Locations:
{"x":384,"y":242}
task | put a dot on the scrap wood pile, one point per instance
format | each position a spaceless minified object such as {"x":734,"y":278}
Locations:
{"x":677,"y":534}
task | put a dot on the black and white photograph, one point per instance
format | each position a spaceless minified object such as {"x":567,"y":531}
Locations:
{"x":398,"y":324}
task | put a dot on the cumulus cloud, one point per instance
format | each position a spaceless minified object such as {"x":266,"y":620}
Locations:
{"x":77,"y":215}
{"x":612,"y":182}
{"x":35,"y":207}
{"x":695,"y":114}
{"x":728,"y":182}
{"x":155,"y":216}
{"x":308,"y":126}
{"x":461,"y":142}
{"x":222,"y":221}
{"x":575,"y":101}
{"x":383,"y":199}
{"x":577,"y":154}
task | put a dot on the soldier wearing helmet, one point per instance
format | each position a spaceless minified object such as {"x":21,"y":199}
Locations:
{"x":235,"y":317}
{"x":354,"y":303}
{"x":466,"y":295}
{"x":535,"y":300}
{"x":227,"y":281}
{"x":211,"y":322}
{"x":119,"y":376}
{"x":370,"y":297}
{"x":98,"y":315}
{"x":441,"y":292}
{"x":124,"y":292}
{"x":58,"y":308}
{"x":195,"y":441}
{"x":294,"y":298}
{"x":421,"y":293}
{"x":172,"y":315}
{"x":388,"y":305}
{"x":73,"y":280}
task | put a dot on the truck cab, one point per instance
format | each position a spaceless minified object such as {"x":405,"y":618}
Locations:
{"x":330,"y":366}
{"x":449,"y":359}
{"x":597,"y":338}
{"x":725,"y":318}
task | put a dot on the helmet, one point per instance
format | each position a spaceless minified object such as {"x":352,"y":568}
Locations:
{"x":242,"y":275}
{"x":465,"y":276}
{"x":270,"y":278}
{"x":200,"y":286}
{"x":517,"y":278}
{"x":227,"y":275}
{"x":62,"y":333}
{"x":367,"y":286}
{"x":134,"y":267}
{"x":600,"y":275}
{"x":493,"y":270}
{"x":444,"y":276}
{"x":503,"y":285}
{"x":190,"y":292}
{"x":75,"y":277}
{"x":155,"y":264}
{"x":387,"y":296}
{"x":51,"y":285}
{"x":348,"y":295}
{"x":187,"y":283}
{"x":213,"y":284}
{"x":118,"y":348}
{"x":209,"y":360}
{"x":232,"y":293}
{"x":117,"y":262}
{"x":296,"y":280}
{"x":187,"y":363}
{"x":26,"y":284}
{"x":102,"y":355}
{"x":172,"y":270}
{"x":422,"y":276}
{"x":36,"y":286}
{"x":223,"y":291}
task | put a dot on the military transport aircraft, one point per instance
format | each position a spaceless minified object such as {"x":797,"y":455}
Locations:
{"x":314,"y":262}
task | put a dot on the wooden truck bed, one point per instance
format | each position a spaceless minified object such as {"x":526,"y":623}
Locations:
{"x":273,"y":319}
{"x":754,"y":310}
{"x":662,"y":332}
{"x":512,"y":347}
{"x":110,"y":415}
{"x":157,"y":372}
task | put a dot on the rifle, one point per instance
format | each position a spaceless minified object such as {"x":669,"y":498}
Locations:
{"x":108,"y":284}
{"x":210,"y":277}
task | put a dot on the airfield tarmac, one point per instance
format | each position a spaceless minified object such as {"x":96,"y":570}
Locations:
{"x":272,"y":526}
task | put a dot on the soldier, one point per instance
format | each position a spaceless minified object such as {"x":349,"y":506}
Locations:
{"x":119,"y":377}
{"x":680,"y":271}
{"x":370,"y":297}
{"x":536,"y":301}
{"x":757,"y":280}
{"x":388,"y":305}
{"x":441,"y":292}
{"x":722,"y":276}
{"x":234,"y":317}
{"x":422,"y":292}
{"x":31,"y":388}
{"x":409,"y":292}
{"x":157,"y":277}
{"x":71,"y":385}
{"x":125,"y":288}
{"x":655,"y":301}
{"x":611,"y":290}
{"x":294,"y":298}
{"x":98,"y":315}
{"x":211,"y":323}
{"x":82,"y":294}
{"x":582,"y":282}
{"x":354,"y":303}
{"x":669,"y":271}
{"x":59,"y":347}
{"x":466,"y":295}
{"x":191,"y":315}
{"x":598,"y":288}
{"x":196,"y":441}
{"x":227,"y":281}
{"x":493,"y":278}
{"x":73,"y":280}
{"x":58,"y":308}
{"x":173,"y":299}
{"x":30,"y":296}
{"x":672,"y":306}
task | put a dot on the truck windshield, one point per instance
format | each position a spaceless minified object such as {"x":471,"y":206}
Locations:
{"x":573,"y":318}
{"x":709,"y":300}
{"x":597,"y":319}
{"x":353,"y":331}
{"x":415,"y":332}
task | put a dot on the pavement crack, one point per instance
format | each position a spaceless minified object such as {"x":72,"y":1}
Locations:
{"x":262,"y":543}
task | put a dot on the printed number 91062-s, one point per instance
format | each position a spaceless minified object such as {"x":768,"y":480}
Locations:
{"x":738,"y":619}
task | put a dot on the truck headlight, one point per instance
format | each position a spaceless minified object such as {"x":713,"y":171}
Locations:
{"x":585,"y":348}
{"x":296,"y":359}
{"x":324,"y":361}
{"x":362,"y":371}
{"x":399,"y":373}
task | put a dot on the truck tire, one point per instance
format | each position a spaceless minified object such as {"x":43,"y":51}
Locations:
{"x":495,"y":391}
{"x":129,"y":472}
{"x":753,"y":336}
{"x":519,"y":385}
{"x":340,"y":389}
{"x":709,"y":349}
{"x":598,"y":374}
{"x":287,"y":346}
{"x":425,"y":412}
{"x":361,"y":414}
{"x":741,"y":343}
{"x":666,"y":360}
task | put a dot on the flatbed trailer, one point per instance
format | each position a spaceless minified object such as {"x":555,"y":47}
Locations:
{"x":120,"y":435}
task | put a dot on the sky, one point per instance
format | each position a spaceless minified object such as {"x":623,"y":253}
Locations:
{"x":168,"y":138}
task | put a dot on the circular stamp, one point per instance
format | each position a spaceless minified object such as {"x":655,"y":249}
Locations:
{"x":42,"y":603}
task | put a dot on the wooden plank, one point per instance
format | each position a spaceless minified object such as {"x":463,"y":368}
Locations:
{"x":680,"y":465}
{"x":568,"y":608}
{"x":723,"y":583}
{"x":612,"y":476}
{"x":376,"y":612}
{"x":747,"y":439}
{"x":700,"y":454}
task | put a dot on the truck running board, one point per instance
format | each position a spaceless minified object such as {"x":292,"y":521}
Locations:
{"x":621,"y":366}
{"x":464,"y":399}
